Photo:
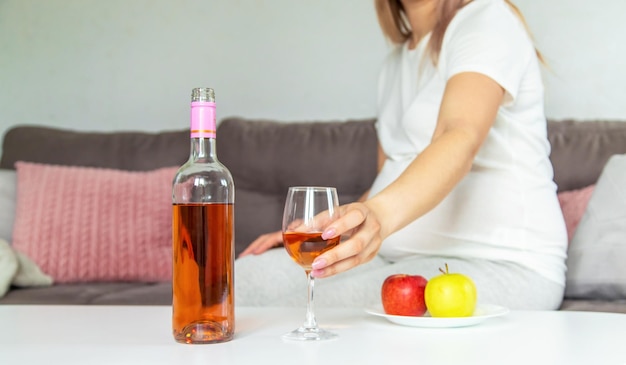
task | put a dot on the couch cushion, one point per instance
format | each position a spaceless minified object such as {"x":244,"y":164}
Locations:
{"x":137,"y":151}
{"x":573,"y":204}
{"x":93,"y":293}
{"x":581,"y":148}
{"x":594,"y":305}
{"x":266,"y":157}
{"x":92,"y":224}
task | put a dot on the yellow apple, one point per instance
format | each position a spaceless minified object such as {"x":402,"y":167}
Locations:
{"x":450,"y":295}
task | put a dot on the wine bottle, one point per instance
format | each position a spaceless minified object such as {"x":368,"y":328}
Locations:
{"x":203,"y":194}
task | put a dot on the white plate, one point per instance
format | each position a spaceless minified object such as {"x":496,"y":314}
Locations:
{"x":481,"y":313}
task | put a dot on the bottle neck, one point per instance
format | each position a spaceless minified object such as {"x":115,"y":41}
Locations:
{"x":203,"y":150}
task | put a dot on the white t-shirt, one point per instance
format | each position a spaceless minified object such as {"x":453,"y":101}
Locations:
{"x":506,"y":208}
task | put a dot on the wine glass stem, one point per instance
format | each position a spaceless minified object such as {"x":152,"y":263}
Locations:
{"x":310,"y":315}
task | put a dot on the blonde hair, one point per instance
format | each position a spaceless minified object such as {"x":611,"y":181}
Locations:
{"x":395,"y":26}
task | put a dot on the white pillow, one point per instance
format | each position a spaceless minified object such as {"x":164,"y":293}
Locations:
{"x":597,"y":253}
{"x":28,"y":273}
{"x":8,"y":182}
{"x":8,"y":267}
{"x":17,"y":269}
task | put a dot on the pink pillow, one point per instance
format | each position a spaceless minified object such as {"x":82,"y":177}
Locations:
{"x":573,"y":204}
{"x":91,"y":224}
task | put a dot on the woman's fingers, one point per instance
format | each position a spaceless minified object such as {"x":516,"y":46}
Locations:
{"x":361,"y":247}
{"x":351,"y":216}
{"x":263,"y":243}
{"x":344,"y":257}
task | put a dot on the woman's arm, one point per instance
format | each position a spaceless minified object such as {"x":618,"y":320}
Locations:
{"x":467,"y":112}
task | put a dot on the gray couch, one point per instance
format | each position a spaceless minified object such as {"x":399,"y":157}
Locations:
{"x":265,"y":157}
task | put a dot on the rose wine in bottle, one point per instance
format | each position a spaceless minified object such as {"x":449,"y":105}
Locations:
{"x":203,"y":194}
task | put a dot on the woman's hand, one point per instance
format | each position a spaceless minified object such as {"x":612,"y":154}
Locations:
{"x":263,"y":243}
{"x":361,"y":246}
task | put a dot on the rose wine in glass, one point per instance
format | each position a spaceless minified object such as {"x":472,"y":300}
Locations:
{"x":308,"y":211}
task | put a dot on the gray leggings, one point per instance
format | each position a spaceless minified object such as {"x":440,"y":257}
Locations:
{"x":273,"y":279}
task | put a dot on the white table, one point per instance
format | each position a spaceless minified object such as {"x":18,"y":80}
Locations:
{"x":142,"y":335}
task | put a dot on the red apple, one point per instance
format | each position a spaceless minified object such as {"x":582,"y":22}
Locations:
{"x":403,"y":295}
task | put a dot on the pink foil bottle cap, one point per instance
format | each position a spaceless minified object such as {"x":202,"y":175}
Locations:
{"x":203,"y":123}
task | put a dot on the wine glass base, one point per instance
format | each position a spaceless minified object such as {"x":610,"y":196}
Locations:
{"x":309,"y":334}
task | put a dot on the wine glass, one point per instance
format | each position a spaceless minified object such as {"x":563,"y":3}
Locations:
{"x":308,"y":211}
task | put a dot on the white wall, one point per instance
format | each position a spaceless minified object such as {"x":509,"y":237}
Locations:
{"x":584,"y":43}
{"x":130,"y":64}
